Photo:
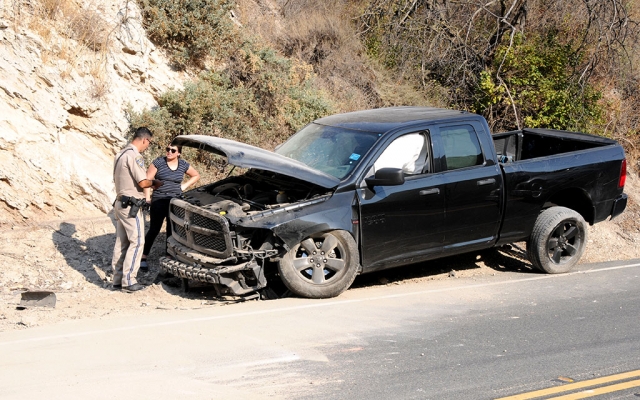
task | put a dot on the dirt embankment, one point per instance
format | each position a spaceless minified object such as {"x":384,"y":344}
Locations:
{"x":72,"y":258}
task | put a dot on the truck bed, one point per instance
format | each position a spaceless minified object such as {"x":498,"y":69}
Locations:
{"x":545,"y":167}
{"x":535,"y":143}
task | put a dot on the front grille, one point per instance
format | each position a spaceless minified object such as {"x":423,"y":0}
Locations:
{"x":201,"y":220}
{"x":180,"y":231}
{"x":178,"y":211}
{"x":202,"y":230}
{"x":210,"y":242}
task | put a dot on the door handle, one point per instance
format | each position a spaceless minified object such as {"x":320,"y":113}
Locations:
{"x":489,"y":181}
{"x":427,"y":192}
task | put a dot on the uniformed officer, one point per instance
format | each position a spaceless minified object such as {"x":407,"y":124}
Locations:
{"x":130,"y":177}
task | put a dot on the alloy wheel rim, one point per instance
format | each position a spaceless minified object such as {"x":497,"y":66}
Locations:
{"x":320,"y":260}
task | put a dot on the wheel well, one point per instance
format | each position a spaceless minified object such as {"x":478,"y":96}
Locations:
{"x":575,"y":199}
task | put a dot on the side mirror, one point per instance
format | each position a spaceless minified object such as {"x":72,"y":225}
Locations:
{"x":386,"y":177}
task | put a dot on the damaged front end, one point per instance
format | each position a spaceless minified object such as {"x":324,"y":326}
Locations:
{"x":224,"y":233}
{"x":205,"y":249}
{"x":221,"y":233}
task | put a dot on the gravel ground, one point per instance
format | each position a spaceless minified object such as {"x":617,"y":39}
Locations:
{"x":72,"y":258}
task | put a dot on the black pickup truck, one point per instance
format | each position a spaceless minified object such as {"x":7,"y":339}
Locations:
{"x":363,"y":191}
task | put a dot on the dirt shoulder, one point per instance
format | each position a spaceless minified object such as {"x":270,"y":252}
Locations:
{"x":72,"y":258}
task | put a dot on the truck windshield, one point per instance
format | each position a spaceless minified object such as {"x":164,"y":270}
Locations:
{"x":332,"y":150}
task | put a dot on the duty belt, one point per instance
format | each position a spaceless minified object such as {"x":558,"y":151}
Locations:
{"x":127,"y":199}
{"x":136,"y":204}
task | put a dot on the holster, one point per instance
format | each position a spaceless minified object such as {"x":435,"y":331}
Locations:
{"x":135,"y":204}
{"x":133,"y":211}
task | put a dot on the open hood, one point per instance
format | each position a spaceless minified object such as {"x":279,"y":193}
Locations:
{"x":247,"y":156}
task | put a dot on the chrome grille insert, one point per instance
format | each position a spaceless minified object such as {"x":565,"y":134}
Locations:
{"x":210,"y":242}
{"x":202,"y":230}
{"x":179,"y":230}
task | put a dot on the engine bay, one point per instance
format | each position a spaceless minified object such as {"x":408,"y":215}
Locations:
{"x":253,"y":192}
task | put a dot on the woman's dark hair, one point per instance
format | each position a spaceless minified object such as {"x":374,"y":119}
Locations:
{"x":178,"y":146}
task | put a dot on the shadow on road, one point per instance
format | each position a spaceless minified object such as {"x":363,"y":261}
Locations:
{"x":505,"y":258}
{"x":92,"y":258}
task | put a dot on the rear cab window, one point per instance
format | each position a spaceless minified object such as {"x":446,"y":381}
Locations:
{"x":460,"y":147}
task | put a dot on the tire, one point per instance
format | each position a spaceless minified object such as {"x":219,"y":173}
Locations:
{"x":558,"y":240}
{"x":321,"y":266}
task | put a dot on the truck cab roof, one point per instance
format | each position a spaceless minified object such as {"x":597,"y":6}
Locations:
{"x":381,"y":120}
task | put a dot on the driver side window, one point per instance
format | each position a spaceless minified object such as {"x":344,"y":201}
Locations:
{"x":408,"y":152}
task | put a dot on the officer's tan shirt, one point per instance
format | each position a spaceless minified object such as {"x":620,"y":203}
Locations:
{"x":128,"y":171}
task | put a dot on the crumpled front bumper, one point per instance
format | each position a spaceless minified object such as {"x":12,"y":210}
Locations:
{"x":228,"y":278}
{"x":236,"y":280}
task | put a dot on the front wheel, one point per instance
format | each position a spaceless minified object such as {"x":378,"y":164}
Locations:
{"x":557,"y":241}
{"x":321,"y":266}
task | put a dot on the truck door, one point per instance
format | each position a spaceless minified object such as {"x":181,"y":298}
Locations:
{"x":404,"y":223}
{"x":472,"y":187}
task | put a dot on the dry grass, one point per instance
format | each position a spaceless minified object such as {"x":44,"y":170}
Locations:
{"x":99,"y":87}
{"x":70,"y":31}
{"x":621,"y":100}
{"x":321,"y":34}
{"x":323,"y":37}
{"x":83,"y":23}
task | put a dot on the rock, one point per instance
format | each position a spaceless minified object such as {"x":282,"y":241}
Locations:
{"x":53,"y":129}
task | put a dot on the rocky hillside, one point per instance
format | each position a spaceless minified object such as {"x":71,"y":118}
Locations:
{"x":63,"y":106}
{"x":69,"y":72}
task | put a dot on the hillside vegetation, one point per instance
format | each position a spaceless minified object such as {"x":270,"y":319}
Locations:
{"x":87,"y":73}
{"x":264,"y":69}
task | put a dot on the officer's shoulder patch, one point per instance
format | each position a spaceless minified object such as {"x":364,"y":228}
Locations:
{"x":140,"y":161}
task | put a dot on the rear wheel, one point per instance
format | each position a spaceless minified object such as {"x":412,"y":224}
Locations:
{"x":557,"y":241}
{"x":321,"y":266}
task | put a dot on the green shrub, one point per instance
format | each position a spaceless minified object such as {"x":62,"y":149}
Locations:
{"x":539,"y":75}
{"x":191,"y":30}
{"x":261,"y":100}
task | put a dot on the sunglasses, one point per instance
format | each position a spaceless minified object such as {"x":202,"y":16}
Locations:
{"x":169,"y":149}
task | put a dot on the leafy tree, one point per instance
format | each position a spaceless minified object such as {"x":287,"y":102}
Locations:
{"x":471,"y":49}
{"x":542,"y":89}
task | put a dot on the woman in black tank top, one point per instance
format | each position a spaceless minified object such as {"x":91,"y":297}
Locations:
{"x":171,"y":169}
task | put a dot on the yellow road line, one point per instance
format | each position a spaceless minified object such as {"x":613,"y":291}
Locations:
{"x":573,"y":386}
{"x":599,"y":391}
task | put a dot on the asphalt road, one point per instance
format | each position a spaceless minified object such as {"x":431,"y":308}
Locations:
{"x":462,"y":338}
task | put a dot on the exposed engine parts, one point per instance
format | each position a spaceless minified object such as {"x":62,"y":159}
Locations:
{"x":210,"y":244}
{"x":254,"y":192}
